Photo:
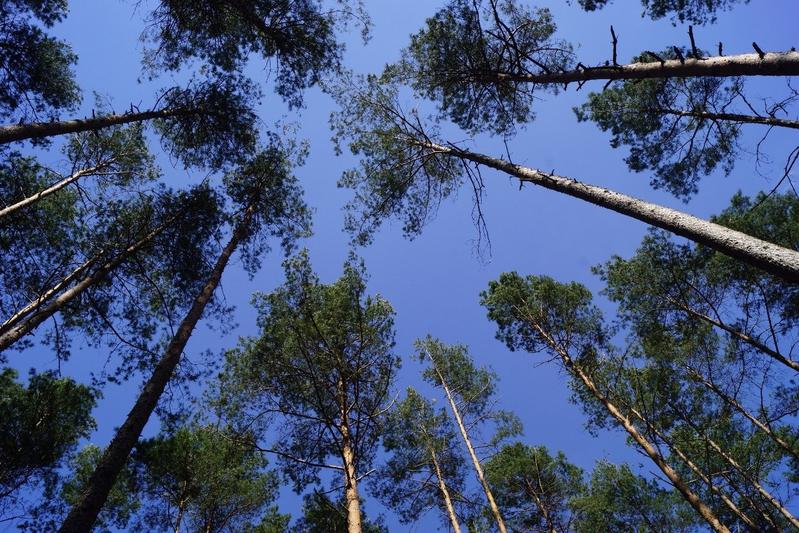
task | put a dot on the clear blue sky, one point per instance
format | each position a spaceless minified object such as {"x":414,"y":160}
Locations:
{"x":434,"y":281}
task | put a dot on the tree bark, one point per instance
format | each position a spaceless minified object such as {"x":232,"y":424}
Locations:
{"x":475,"y":461}
{"x":771,"y":64}
{"x":46,"y":295}
{"x":777,"y":260}
{"x":732,"y":117}
{"x":442,"y":485}
{"x":649,"y":449}
{"x":351,"y":484}
{"x":44,"y":193}
{"x":84,"y":513}
{"x":39,"y":130}
{"x":22,"y":328}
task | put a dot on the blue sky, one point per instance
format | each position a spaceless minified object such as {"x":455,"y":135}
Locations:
{"x":433,"y":282}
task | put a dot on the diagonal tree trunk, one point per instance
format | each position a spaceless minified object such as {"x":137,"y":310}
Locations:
{"x":731,"y":117}
{"x":777,"y":260}
{"x":732,"y":402}
{"x":769,"y":64}
{"x":47,"y":294}
{"x":442,"y":486}
{"x":27,"y":325}
{"x":648,"y":448}
{"x":84,"y":513}
{"x":475,"y":461}
{"x":40,"y":130}
{"x":44,"y":193}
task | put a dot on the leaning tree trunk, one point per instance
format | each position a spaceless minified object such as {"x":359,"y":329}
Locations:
{"x":44,"y":193}
{"x":39,"y":130}
{"x":36,"y":303}
{"x":475,"y":461}
{"x":731,"y":117}
{"x":649,"y":449}
{"x":777,"y":260}
{"x":735,"y":404}
{"x":766,"y":64}
{"x":442,"y":486}
{"x":27,"y":325}
{"x":83,"y":514}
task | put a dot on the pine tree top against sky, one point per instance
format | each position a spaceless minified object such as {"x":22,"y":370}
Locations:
{"x":361,"y":266}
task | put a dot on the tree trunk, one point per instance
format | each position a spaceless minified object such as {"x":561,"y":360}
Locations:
{"x":39,"y":130}
{"x":732,"y":402}
{"x":731,"y":117}
{"x":83,"y":515}
{"x":774,"y":354}
{"x":351,"y":496}
{"x":733,"y":463}
{"x":22,"y":328}
{"x":777,"y":260}
{"x":649,"y":449}
{"x":46,"y":295}
{"x":442,"y":485}
{"x":770,"y":64}
{"x":697,"y":471}
{"x":53,"y":188}
{"x":475,"y":461}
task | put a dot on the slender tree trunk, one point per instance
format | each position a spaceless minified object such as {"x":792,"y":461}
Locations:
{"x":774,"y":354}
{"x":351,"y":484}
{"x":46,"y":295}
{"x":770,"y":64}
{"x":442,"y":485}
{"x":649,"y":449}
{"x":39,"y":130}
{"x":732,"y":117}
{"x":777,"y":260}
{"x":732,"y":402}
{"x":44,"y":193}
{"x":733,"y":463}
{"x":475,"y":461}
{"x":84,"y":513}
{"x":23,"y":327}
{"x":697,"y":471}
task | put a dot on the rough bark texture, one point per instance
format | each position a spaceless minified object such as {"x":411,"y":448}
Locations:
{"x":442,"y":485}
{"x":770,"y":64}
{"x":83,"y":515}
{"x":774,"y":259}
{"x":23,"y":327}
{"x":44,"y":193}
{"x":351,"y":488}
{"x":475,"y":461}
{"x":39,"y":130}
{"x":649,"y":449}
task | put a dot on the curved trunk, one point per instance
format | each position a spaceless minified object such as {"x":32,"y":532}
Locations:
{"x":777,"y":260}
{"x":475,"y":461}
{"x":442,"y":486}
{"x":44,"y":193}
{"x":83,"y":515}
{"x":648,"y":448}
{"x":39,"y":130}
{"x":769,"y":64}
{"x":23,"y":327}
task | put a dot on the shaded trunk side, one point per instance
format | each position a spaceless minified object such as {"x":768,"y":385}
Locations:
{"x":777,"y":260}
{"x":83,"y":514}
